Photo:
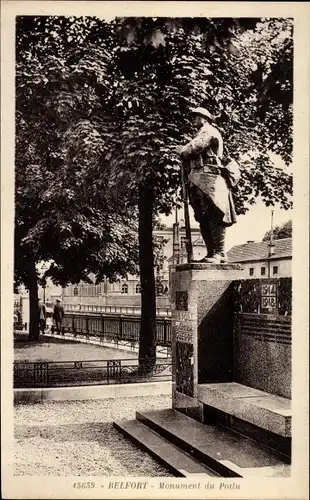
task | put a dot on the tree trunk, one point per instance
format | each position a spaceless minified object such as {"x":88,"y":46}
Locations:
{"x":32,"y":286}
{"x":147,"y":347}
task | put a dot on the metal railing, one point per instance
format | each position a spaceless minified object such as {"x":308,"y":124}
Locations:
{"x":81,"y":373}
{"x":114,"y":328}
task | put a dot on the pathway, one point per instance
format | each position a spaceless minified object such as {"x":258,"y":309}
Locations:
{"x":76,"y":438}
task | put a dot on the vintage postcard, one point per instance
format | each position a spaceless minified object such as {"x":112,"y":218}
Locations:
{"x":155,"y":249}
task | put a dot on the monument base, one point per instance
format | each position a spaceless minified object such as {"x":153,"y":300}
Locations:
{"x":188,"y":405}
{"x":202,"y":330}
{"x":217,"y":426}
{"x":188,"y":447}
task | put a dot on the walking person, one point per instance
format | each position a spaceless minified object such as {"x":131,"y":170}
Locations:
{"x":210,"y":184}
{"x":58,"y":315}
{"x":42,"y":316}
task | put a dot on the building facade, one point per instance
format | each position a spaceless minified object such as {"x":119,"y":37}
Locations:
{"x":264,"y":260}
{"x":125,"y":294}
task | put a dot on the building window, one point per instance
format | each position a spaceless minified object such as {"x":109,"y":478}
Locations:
{"x":124,"y":288}
{"x":138,"y":288}
{"x":75,"y":291}
{"x":251,"y":271}
{"x":159,"y":289}
{"x":183,"y":241}
{"x":275,"y":270}
{"x":263,"y":271}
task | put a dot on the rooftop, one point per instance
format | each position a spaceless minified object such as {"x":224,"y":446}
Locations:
{"x":259,"y":250}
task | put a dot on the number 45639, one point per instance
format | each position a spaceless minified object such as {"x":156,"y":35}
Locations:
{"x":82,"y":485}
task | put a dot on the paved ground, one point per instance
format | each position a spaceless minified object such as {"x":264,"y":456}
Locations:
{"x":78,"y":439}
{"x":52,"y":349}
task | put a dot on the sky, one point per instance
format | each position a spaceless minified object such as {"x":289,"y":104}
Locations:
{"x":251,"y":226}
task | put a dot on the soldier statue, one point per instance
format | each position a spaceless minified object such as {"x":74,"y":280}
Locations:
{"x":209,"y":184}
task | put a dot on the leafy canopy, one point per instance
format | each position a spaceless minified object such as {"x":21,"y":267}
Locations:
{"x":102,"y":108}
{"x":279,"y":232}
{"x":65,"y":211}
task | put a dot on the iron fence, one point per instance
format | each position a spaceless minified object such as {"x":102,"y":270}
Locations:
{"x":114,"y":328}
{"x":77,"y":373}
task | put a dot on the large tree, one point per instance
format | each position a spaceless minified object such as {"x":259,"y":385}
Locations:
{"x":65,"y":211}
{"x":138,"y":77}
{"x":161,"y":68}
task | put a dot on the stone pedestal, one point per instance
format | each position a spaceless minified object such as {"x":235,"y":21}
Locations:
{"x":202,"y":330}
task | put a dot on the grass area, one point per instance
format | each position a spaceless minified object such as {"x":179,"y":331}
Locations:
{"x":57,"y":349}
{"x":77,"y":438}
{"x":64,"y":372}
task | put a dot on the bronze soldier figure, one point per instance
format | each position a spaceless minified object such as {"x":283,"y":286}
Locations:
{"x":209,"y":185}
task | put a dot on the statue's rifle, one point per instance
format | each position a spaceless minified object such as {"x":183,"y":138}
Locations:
{"x":188,"y":244}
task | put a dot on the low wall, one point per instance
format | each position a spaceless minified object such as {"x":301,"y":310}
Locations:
{"x":264,"y":296}
{"x":115,"y":300}
{"x":262,"y":340}
{"x":262,"y":352}
{"x":134,"y":300}
{"x":31,"y":396}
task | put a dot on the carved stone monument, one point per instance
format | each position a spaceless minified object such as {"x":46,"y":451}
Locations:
{"x":202,"y":292}
{"x":202,"y":330}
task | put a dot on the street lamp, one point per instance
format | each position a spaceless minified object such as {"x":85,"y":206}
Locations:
{"x":44,"y":288}
{"x":44,"y":282}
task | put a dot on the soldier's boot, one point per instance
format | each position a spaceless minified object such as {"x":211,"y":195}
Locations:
{"x":218,"y":237}
{"x":206,"y":234}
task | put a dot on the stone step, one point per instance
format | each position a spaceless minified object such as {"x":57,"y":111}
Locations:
{"x":266,"y":411}
{"x":178,"y":462}
{"x":227,"y":453}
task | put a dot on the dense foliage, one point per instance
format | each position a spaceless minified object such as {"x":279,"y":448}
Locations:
{"x":102,"y":109}
{"x":280,"y":232}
